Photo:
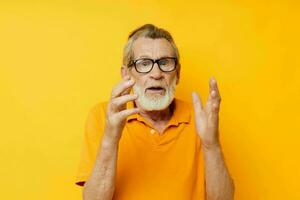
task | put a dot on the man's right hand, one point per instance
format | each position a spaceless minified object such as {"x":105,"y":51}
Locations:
{"x":116,"y":112}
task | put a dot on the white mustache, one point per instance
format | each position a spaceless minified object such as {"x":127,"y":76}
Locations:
{"x":154,"y":102}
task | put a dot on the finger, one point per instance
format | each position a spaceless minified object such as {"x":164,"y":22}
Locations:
{"x":213,"y":103}
{"x":214,"y":94}
{"x":213,"y":116}
{"x":127,"y":91}
{"x":120,"y":101}
{"x":125,"y":113}
{"x":214,"y":86}
{"x":197,"y":103}
{"x":121,"y":87}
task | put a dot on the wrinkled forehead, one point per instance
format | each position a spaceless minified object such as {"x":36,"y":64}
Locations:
{"x":152,"y":48}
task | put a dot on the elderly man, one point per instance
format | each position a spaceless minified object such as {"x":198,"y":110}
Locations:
{"x":144,"y":143}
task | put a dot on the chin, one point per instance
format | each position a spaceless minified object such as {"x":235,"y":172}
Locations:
{"x":155,"y":103}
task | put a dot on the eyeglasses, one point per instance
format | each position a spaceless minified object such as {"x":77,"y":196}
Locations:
{"x":145,"y":65}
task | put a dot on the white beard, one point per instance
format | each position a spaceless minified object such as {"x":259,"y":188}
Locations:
{"x":155,"y":103}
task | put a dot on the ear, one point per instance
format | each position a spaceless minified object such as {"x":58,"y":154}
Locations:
{"x":178,"y":74}
{"x":124,"y":71}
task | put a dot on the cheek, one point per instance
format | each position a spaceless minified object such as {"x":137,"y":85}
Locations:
{"x":171,"y":79}
{"x":142,"y":80}
{"x":139,"y":81}
{"x":133,"y":76}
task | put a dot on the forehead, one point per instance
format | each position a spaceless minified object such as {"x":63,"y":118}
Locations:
{"x":153,"y":48}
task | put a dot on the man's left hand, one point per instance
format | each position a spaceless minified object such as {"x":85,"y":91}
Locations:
{"x":207,"y":118}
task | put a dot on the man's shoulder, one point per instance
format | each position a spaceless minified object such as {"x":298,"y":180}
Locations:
{"x":98,"y":109}
{"x":100,"y":105}
{"x":183,"y":104}
{"x":183,"y":110}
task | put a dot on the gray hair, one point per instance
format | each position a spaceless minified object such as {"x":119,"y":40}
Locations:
{"x":147,"y":31}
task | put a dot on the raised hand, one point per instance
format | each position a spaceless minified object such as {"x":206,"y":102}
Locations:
{"x":207,"y":118}
{"x":116,"y":112}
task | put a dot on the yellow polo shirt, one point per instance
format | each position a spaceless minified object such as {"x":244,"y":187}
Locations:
{"x":150,"y":166}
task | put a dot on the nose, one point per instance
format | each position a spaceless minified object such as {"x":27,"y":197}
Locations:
{"x":156,"y":73}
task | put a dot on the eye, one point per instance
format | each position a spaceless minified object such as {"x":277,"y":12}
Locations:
{"x":164,"y":62}
{"x":144,"y":63}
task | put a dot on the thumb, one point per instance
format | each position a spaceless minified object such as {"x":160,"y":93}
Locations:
{"x":197,"y":103}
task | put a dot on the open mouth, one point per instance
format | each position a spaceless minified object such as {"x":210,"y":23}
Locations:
{"x":155,"y":89}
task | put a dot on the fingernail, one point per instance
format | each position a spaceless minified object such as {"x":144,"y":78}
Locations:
{"x":194,"y":96}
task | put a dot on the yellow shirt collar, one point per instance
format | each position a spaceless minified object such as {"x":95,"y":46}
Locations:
{"x":181,"y":113}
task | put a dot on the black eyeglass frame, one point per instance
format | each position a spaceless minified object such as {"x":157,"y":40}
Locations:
{"x":133,"y":63}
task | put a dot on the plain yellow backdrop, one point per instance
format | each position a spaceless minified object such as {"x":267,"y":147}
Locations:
{"x":59,"y":58}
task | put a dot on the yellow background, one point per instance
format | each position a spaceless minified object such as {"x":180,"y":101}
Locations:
{"x":59,"y":58}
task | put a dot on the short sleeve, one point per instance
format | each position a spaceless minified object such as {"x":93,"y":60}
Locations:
{"x":93,"y":132}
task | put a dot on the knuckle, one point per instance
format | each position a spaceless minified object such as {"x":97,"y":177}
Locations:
{"x":114,"y":90}
{"x":113,"y":103}
{"x":130,"y":97}
{"x":108,"y":109}
{"x":112,"y":120}
{"x":215,"y":105}
{"x":119,"y":116}
{"x":112,"y":94}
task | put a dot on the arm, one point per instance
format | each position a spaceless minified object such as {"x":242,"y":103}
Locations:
{"x":101,"y":183}
{"x":219,"y":184}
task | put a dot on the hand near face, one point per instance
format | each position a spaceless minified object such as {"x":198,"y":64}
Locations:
{"x":116,"y":112}
{"x":207,"y":118}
